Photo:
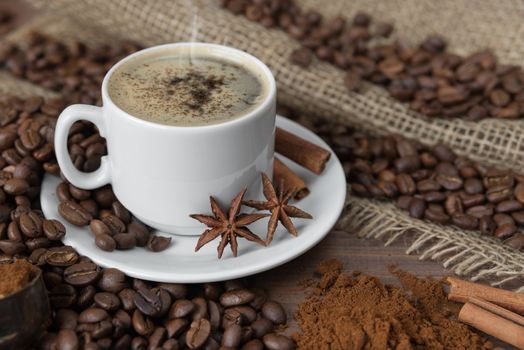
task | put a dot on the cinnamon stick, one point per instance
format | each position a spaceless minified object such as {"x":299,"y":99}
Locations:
{"x":291,"y":180}
{"x":305,"y":153}
{"x":494,"y":320}
{"x":462,"y":291}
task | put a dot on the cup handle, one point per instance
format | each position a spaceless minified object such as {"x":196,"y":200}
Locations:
{"x":70,"y":115}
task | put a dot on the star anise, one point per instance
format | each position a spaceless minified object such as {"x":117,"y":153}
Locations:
{"x":277,"y":204}
{"x":228,"y":227}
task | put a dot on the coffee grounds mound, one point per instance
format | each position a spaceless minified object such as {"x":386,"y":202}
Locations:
{"x":15,"y":276}
{"x":359,"y":312}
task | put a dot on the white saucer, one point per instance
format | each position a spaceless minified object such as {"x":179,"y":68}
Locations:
{"x":179,"y":263}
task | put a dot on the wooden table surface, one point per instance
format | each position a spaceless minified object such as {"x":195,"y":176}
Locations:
{"x":367,"y":256}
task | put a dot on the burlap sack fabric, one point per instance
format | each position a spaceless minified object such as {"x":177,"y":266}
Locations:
{"x":468,"y":25}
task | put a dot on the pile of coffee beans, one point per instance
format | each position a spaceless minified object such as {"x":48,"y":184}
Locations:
{"x":76,"y":71}
{"x":431,"y":183}
{"x":101,"y":308}
{"x":111,"y":223}
{"x":436,"y":83}
{"x":6,"y":21}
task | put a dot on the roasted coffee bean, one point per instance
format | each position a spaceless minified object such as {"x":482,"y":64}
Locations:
{"x":487,"y":225}
{"x":78,"y":193}
{"x":86,"y":297}
{"x":74,"y":213}
{"x":121,"y":212}
{"x":114,"y":224}
{"x":124,"y":241}
{"x":261,"y":327}
{"x":428,"y":185}
{"x":98,"y":227}
{"x":142,"y":324}
{"x":407,"y":164}
{"x":31,"y":224}
{"x":480,"y":211}
{"x":519,"y":192}
{"x":93,"y":315}
{"x":434,"y":197}
{"x":16,"y":186}
{"x":81,"y":274}
{"x":518,"y":216}
{"x":509,"y":206}
{"x":417,"y":208}
{"x":405,"y":184}
{"x":67,"y":339}
{"x":232,"y":336}
{"x":140,"y":232}
{"x":147,"y":302}
{"x":127,"y":297}
{"x":471,"y":200}
{"x":501,"y":219}
{"x":138,"y":343}
{"x":473,"y":186}
{"x":112,"y":280}
{"x":236,"y":297}
{"x":62,"y":192}
{"x":11,"y":247}
{"x":37,"y":243}
{"x":436,"y":215}
{"x":13,"y":232}
{"x":157,"y":338}
{"x":198,"y":333}
{"x":66,"y":319}
{"x":215,"y":314}
{"x":516,"y":242}
{"x":499,"y":193}
{"x":451,"y":183}
{"x":274,"y":341}
{"x":176,"y":326}
{"x":274,"y":312}
{"x":253,"y":344}
{"x":505,"y":230}
{"x":200,"y":310}
{"x":158,"y":243}
{"x":232,"y":316}
{"x":466,"y":222}
{"x":61,"y":256}
{"x":54,"y":230}
{"x":105,"y":242}
{"x":90,"y":206}
{"x":497,"y":178}
{"x":403,"y":202}
{"x":176,"y":290}
{"x":62,"y":296}
{"x":454,"y":205}
{"x":181,"y":308}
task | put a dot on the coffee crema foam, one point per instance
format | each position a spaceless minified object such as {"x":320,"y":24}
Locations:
{"x":182,"y":90}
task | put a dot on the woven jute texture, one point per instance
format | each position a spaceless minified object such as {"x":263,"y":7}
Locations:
{"x":468,"y":25}
{"x":319,"y":90}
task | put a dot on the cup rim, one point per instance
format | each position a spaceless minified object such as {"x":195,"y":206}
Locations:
{"x":265,"y":104}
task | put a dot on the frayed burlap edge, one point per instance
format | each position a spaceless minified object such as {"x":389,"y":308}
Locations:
{"x":466,"y":253}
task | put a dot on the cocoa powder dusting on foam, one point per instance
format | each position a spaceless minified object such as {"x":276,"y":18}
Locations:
{"x":359,"y":312}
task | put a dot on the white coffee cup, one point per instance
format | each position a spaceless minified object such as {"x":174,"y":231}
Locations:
{"x":163,"y":173}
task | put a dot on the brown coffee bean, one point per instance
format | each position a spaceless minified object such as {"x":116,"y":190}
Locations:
{"x":124,"y":241}
{"x":13,"y":232}
{"x":61,"y":256}
{"x":487,"y":225}
{"x":407,"y":164}
{"x":198,"y":333}
{"x":81,"y":274}
{"x":405,"y":184}
{"x":158,"y":243}
{"x":450,"y":183}
{"x":499,"y":193}
{"x":114,"y":224}
{"x":104,"y":197}
{"x":67,"y":340}
{"x":90,"y":206}
{"x":417,"y":208}
{"x":519,"y":192}
{"x":121,"y":212}
{"x":480,"y":211}
{"x":215,"y":314}
{"x":176,"y":290}
{"x":471,"y":200}
{"x":518,"y":216}
{"x":176,"y":326}
{"x":62,"y":296}
{"x":274,"y":312}
{"x":143,"y":325}
{"x":93,"y":315}
{"x":66,"y":319}
{"x":428,"y":185}
{"x":200,"y":310}
{"x":434,"y":197}
{"x":12,"y":247}
{"x":54,"y":230}
{"x":31,"y":224}
{"x":147,"y":302}
{"x":74,"y":213}
{"x":62,"y":192}
{"x":273,"y":341}
{"x":436,"y":215}
{"x":498,"y":178}
{"x":140,"y":232}
{"x":473,"y":186}
{"x":79,"y":194}
{"x":112,"y":280}
{"x":403,"y":202}
{"x":98,"y":227}
{"x":505,"y":231}
{"x":454,"y":205}
{"x":16,"y":186}
{"x":232,"y":336}
{"x":107,"y":301}
{"x":236,"y":297}
{"x":232,"y":316}
{"x":509,"y":206}
{"x":261,"y":327}
{"x":466,"y":222}
{"x":516,"y":242}
{"x":105,"y":242}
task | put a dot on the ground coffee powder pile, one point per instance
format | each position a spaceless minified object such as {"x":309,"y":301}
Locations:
{"x":14,"y":276}
{"x":359,"y":312}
